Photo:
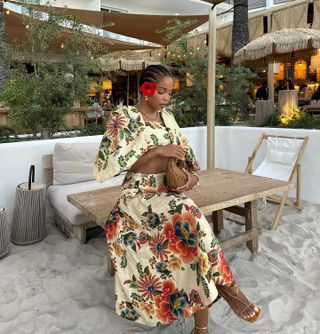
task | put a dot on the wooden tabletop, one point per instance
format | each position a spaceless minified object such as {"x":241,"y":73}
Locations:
{"x":218,"y":189}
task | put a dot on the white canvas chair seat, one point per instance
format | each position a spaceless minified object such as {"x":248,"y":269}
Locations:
{"x":274,"y":171}
{"x":282,"y":162}
{"x":280,"y":159}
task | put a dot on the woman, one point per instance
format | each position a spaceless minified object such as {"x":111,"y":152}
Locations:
{"x":168,"y":263}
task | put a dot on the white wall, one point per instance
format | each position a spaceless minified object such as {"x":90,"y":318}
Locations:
{"x":233,"y":146}
{"x":15,"y":160}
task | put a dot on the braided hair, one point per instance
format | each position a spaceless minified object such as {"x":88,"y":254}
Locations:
{"x":154,"y":73}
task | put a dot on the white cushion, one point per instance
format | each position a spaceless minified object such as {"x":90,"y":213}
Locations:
{"x":57,"y":196}
{"x":73,"y":162}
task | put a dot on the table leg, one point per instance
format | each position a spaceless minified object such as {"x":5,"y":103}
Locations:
{"x":252,"y":224}
{"x":217,"y":221}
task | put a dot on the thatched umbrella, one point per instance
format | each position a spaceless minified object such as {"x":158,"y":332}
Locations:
{"x":286,"y":45}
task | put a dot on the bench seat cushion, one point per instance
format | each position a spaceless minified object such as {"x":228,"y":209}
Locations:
{"x":57,"y":196}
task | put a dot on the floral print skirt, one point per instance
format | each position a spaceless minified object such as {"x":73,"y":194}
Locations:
{"x":166,"y":257}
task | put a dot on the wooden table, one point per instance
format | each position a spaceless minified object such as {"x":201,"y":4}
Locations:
{"x":219,"y":189}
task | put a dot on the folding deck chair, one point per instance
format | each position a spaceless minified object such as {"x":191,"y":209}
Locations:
{"x":282,"y":161}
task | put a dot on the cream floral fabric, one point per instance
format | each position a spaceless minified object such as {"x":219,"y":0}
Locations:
{"x":167,"y":260}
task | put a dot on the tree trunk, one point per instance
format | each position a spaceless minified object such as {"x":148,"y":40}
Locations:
{"x":240,"y":28}
{"x":4,"y":71}
{"x":240,"y":37}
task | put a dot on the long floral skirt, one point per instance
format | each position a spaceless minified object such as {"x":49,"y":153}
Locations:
{"x":167,"y":260}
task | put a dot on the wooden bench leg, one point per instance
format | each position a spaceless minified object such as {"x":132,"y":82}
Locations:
{"x":80,"y":233}
{"x":217,"y":221}
{"x":252,"y":224}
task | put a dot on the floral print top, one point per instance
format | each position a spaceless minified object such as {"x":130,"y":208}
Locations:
{"x":126,"y":139}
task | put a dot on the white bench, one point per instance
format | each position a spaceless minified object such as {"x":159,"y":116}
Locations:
{"x":67,"y":171}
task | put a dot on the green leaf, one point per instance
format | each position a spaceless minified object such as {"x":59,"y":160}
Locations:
{"x":146,"y":270}
{"x":121,"y":134}
{"x":124,"y":262}
{"x":139,"y":268}
{"x":134,"y":247}
{"x":101,"y":155}
{"x":179,"y":208}
{"x":137,"y":297}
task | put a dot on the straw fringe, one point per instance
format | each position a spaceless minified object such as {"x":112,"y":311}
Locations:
{"x":283,"y":44}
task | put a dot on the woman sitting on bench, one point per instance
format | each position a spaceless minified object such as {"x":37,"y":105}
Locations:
{"x":168,"y":264}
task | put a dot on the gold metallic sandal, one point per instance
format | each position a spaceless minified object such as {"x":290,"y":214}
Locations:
{"x":238,"y":302}
{"x":196,"y":327}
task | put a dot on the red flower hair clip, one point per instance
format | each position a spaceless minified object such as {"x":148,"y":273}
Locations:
{"x":148,"y":88}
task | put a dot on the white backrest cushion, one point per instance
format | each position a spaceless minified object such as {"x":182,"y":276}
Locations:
{"x":73,"y":162}
{"x":283,"y":150}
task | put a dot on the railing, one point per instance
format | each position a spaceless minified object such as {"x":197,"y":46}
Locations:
{"x":74,"y":119}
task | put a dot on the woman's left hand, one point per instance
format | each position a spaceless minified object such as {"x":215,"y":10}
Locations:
{"x":192,"y":181}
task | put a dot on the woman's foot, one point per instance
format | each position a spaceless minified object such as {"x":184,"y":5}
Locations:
{"x":200,"y":330}
{"x":239,"y":303}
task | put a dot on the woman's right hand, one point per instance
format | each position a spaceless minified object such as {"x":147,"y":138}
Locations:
{"x":171,"y":150}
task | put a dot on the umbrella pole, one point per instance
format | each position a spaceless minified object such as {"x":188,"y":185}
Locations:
{"x":128,"y":87}
{"x":211,"y":93}
{"x":138,"y":79}
{"x":270,"y":66}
